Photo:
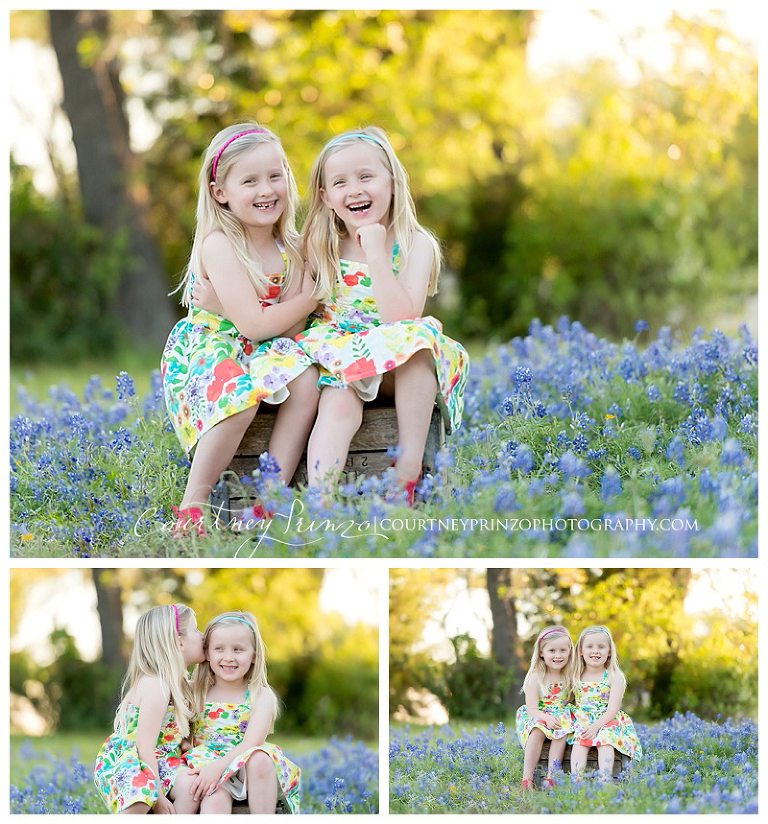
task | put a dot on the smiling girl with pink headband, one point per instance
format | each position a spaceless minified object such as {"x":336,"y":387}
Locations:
{"x":221,"y":362}
{"x":547,"y":688}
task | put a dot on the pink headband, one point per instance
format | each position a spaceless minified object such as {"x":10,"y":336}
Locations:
{"x":550,"y":631}
{"x":176,"y":613}
{"x":232,"y":140}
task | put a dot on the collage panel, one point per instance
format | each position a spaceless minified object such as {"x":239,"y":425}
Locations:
{"x":238,"y":690}
{"x":573,"y":691}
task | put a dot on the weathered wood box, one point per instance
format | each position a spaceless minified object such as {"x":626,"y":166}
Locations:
{"x":620,"y":762}
{"x":367,"y":451}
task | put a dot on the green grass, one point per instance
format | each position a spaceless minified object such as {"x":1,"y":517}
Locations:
{"x":36,"y":379}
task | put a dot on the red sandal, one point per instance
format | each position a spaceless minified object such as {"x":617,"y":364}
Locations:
{"x":186,"y":520}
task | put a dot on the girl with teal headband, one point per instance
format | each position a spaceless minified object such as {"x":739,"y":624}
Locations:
{"x":374,"y":266}
{"x":230,"y":758}
{"x":598,"y":720}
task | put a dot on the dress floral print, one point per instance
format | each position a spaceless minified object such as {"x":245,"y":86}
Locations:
{"x":122,"y":778}
{"x":555,"y":703}
{"x":210,"y":371}
{"x":353,"y":347}
{"x":591,"y":702}
{"x":220,"y":728}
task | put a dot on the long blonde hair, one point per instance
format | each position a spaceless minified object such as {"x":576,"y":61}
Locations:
{"x":611,"y":665}
{"x":256,"y":677}
{"x":225,"y":148}
{"x":323,"y":229}
{"x":156,"y":654}
{"x":538,"y":669}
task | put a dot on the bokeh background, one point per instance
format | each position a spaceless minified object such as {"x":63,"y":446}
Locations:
{"x":461,"y":639}
{"x":601,"y":165}
{"x":71,"y":633}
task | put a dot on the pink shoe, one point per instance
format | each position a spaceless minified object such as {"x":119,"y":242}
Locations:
{"x":527,"y":785}
{"x":547,"y":783}
{"x":186,"y":520}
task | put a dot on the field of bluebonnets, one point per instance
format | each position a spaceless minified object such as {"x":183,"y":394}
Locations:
{"x":689,"y":766}
{"x":572,"y":446}
{"x":341,"y":777}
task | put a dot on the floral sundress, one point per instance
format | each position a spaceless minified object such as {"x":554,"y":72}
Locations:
{"x":591,"y":702}
{"x":353,"y":347}
{"x":210,"y":371}
{"x":122,"y":778}
{"x":555,"y":703}
{"x":221,"y":727}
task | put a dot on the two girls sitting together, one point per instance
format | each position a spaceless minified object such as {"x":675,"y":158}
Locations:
{"x":573,"y":696}
{"x":187,"y":745}
{"x":317,"y":323}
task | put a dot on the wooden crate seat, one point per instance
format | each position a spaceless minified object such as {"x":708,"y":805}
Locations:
{"x":620,"y":762}
{"x":367,"y":451}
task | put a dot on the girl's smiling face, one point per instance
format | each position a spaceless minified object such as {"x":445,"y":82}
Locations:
{"x":555,"y":653}
{"x":230,"y":652}
{"x":357,"y":186}
{"x":595,"y":649}
{"x":255,"y":186}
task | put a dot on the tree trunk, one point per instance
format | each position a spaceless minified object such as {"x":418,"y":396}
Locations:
{"x":109,"y":173}
{"x":109,"y":605}
{"x":504,"y":634}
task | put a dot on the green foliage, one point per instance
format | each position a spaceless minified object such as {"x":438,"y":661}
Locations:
{"x":63,"y":277}
{"x":70,"y":694}
{"x":473,"y":685}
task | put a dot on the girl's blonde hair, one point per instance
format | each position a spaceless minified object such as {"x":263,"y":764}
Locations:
{"x":156,"y":654}
{"x":323,"y":229}
{"x":612,"y":665}
{"x":538,"y":669}
{"x":256,"y":677}
{"x":225,"y":148}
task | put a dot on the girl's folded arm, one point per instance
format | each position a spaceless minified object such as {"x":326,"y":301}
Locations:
{"x":532,"y":700}
{"x":618,"y":685}
{"x":402,"y":297}
{"x":238,"y":297}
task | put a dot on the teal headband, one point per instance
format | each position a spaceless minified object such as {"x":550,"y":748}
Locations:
{"x":235,"y":618}
{"x":355,"y":134}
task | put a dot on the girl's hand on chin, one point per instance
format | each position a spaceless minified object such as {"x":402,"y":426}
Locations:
{"x":371,"y":238}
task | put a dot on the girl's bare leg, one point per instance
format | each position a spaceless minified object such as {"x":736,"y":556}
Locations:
{"x":578,"y":758}
{"x":183,"y":801}
{"x":213,"y":454}
{"x":293,"y":423}
{"x":605,"y":756}
{"x":415,"y":391}
{"x":261,"y":780}
{"x":531,"y":753}
{"x":339,"y":415}
{"x":556,"y":753}
{"x":220,"y":803}
{"x":138,"y":808}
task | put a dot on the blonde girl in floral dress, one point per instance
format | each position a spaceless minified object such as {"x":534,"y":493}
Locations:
{"x":137,"y":767}
{"x":599,"y":721}
{"x":230,"y":758}
{"x":374,"y":266}
{"x":546,"y":714}
{"x":218,"y":365}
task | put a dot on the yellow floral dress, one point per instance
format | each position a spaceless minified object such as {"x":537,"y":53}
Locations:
{"x":553,"y":702}
{"x":222,"y":726}
{"x":591,"y":702}
{"x":122,"y":778}
{"x":353,"y":347}
{"x":210,"y":371}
